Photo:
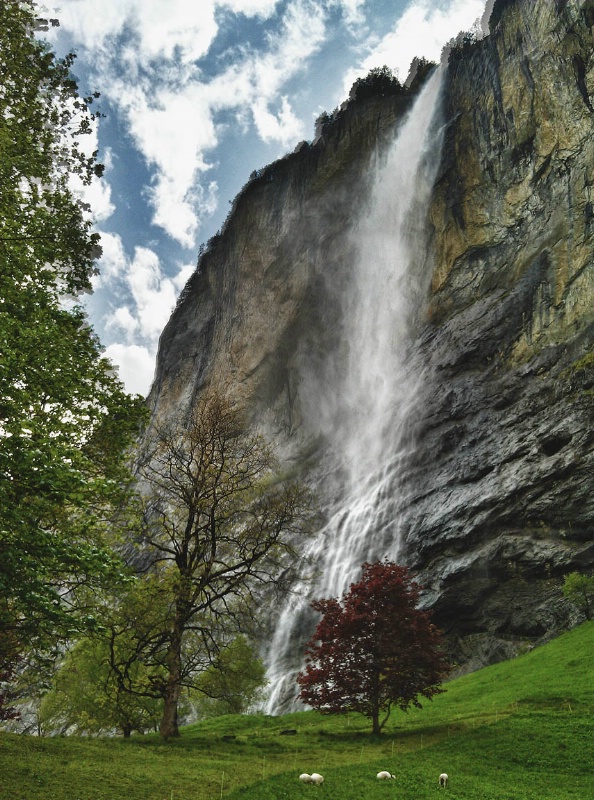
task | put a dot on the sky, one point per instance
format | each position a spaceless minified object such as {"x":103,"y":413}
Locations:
{"x":196,"y":95}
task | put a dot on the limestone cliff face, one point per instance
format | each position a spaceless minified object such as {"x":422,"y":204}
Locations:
{"x":499,"y":499}
{"x":261,"y":298}
{"x":502,"y":503}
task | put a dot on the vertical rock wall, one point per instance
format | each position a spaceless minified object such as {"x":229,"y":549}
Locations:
{"x":497,"y":499}
{"x":502,"y":502}
{"x":263,"y":297}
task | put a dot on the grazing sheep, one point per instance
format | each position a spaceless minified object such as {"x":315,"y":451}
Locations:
{"x":316,"y":778}
{"x":305,"y":777}
{"x":384,"y":776}
{"x":443,"y":780}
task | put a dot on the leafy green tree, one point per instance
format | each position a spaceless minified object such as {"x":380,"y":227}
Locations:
{"x":7,"y":675}
{"x":65,"y":420}
{"x":579,"y":590}
{"x":374,"y":649}
{"x":219,"y":525}
{"x":379,"y":82}
{"x":222,"y":675}
{"x":133,"y":626}
{"x":87,"y":698}
{"x":232,"y":683}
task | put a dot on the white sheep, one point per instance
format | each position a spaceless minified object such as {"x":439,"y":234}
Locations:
{"x":384,"y":775}
{"x":305,"y":777}
{"x":443,"y":780}
{"x":316,"y":778}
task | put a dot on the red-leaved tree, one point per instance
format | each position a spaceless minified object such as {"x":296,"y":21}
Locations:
{"x":374,"y":649}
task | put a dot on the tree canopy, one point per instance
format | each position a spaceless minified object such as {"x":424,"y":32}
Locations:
{"x":65,"y":419}
{"x":233,"y":682}
{"x":579,"y":590}
{"x":379,"y":82}
{"x":87,"y":698}
{"x":374,"y":649}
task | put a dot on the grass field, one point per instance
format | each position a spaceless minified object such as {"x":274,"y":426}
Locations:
{"x":520,"y":729}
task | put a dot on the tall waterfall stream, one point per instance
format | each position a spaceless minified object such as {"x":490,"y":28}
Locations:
{"x":366,"y":418}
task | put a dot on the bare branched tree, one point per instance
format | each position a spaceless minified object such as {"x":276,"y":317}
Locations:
{"x":222,"y":521}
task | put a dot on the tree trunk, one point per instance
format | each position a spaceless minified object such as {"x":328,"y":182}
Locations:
{"x":376,"y":728}
{"x":374,"y":696}
{"x":169,"y":726}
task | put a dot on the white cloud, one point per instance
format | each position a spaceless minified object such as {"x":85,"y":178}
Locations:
{"x":170,"y":109}
{"x":283,"y":127}
{"x":183,"y":276}
{"x":261,"y":8}
{"x":352,"y":10}
{"x":98,"y":195}
{"x":158,"y":30}
{"x":302,"y":33}
{"x":174,"y":210}
{"x":150,"y":294}
{"x":149,"y":299}
{"x":154,"y":295}
{"x":123,"y":320}
{"x":113,"y":262}
{"x":178,"y":29}
{"x":257,"y":82}
{"x":422,"y":30}
{"x":173,"y":130}
{"x":135,"y":365}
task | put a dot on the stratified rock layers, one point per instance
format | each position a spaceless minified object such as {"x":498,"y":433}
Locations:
{"x":500,"y":503}
{"x":497,"y":500}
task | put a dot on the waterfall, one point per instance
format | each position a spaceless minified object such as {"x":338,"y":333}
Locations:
{"x":365,"y":411}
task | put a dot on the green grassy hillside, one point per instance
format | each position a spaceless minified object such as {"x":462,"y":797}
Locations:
{"x":521,"y":729}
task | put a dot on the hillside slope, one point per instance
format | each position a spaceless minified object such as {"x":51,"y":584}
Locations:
{"x":521,"y":729}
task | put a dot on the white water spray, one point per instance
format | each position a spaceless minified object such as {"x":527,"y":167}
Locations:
{"x":366,"y":415}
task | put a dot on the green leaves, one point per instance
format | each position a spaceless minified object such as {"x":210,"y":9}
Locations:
{"x":579,"y":590}
{"x":65,"y":420}
{"x":88,"y":698}
{"x":233,"y":682}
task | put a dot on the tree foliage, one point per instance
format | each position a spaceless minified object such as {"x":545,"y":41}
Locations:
{"x":218,"y":527}
{"x":87,"y":699}
{"x":374,"y":649}
{"x":8,"y":663}
{"x":379,"y":82}
{"x":65,"y":419}
{"x":579,"y":590}
{"x":419,"y":71}
{"x":232,"y":683}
